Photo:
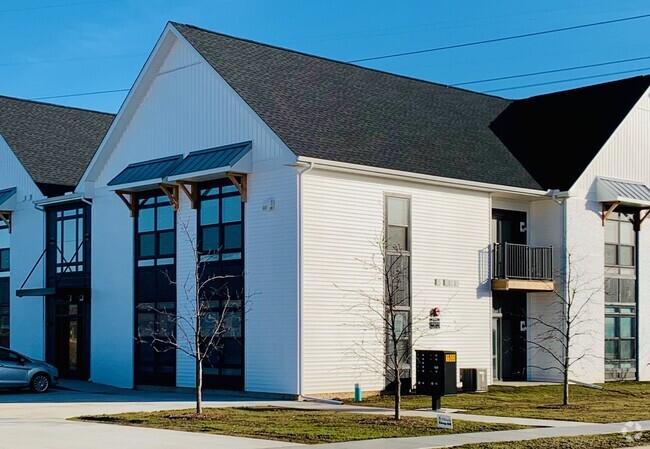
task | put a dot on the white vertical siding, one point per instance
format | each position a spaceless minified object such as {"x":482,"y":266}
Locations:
{"x":27,"y":241}
{"x":271,"y":332}
{"x":186,"y":107}
{"x":585,"y":245}
{"x":190,"y":108}
{"x":627,"y":153}
{"x":546,"y":228}
{"x":112,"y":327}
{"x":343,"y":219}
{"x":625,"y":156}
{"x":186,"y":222}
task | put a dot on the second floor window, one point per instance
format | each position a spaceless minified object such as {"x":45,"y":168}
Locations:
{"x":4,"y":248}
{"x":70,"y":240}
{"x":221,"y":230}
{"x":156,"y":232}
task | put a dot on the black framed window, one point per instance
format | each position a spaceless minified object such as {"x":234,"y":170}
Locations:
{"x":155,"y":289}
{"x":4,"y":312}
{"x":620,"y":298}
{"x":70,"y":240}
{"x":4,"y":247}
{"x":221,"y":244}
{"x":221,"y":228}
{"x":155,"y":232}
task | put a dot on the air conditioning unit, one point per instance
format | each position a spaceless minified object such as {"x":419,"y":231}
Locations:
{"x":482,"y":379}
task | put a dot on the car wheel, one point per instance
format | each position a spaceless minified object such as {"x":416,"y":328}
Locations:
{"x":40,"y":383}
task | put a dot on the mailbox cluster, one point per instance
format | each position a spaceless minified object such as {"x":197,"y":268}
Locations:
{"x":435,"y":374}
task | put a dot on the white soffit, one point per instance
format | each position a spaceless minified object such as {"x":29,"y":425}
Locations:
{"x":627,"y":193}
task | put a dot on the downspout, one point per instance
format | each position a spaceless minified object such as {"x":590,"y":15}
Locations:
{"x":299,"y":273}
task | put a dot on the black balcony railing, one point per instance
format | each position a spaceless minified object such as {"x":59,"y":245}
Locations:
{"x":515,"y":261}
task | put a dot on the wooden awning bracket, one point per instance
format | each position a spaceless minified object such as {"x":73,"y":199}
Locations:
{"x":131,"y":201}
{"x":6,"y":218}
{"x":172,"y":192}
{"x":607,"y":211}
{"x":191,"y":191}
{"x":240,"y":180}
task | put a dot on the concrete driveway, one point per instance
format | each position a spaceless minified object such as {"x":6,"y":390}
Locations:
{"x":30,"y":421}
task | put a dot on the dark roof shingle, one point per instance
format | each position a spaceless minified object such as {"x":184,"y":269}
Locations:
{"x":336,"y":111}
{"x":555,"y":136}
{"x":54,"y":143}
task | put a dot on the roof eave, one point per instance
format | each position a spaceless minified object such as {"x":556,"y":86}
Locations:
{"x":422,"y":178}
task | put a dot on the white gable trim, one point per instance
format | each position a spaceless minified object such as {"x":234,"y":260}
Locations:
{"x":145,"y":79}
{"x":134,"y":97}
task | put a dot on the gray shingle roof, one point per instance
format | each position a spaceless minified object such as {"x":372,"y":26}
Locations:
{"x":570,"y":126}
{"x":336,"y":111}
{"x":54,"y":143}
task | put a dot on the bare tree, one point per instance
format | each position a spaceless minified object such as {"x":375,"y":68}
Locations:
{"x":559,"y":330}
{"x":388,"y":315}
{"x":211,"y":311}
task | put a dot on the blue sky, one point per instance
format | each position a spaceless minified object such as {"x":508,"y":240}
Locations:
{"x":61,"y":47}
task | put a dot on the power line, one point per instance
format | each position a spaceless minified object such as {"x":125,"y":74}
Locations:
{"x":63,"y":5}
{"x":501,"y":39}
{"x":568,"y":80}
{"x":545,"y":72}
{"x":80,"y":58}
{"x":81,"y":94}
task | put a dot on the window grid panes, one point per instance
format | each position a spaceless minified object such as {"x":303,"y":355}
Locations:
{"x":620,"y":298}
{"x":221,"y":243}
{"x":4,"y":312}
{"x":221,"y":230}
{"x":155,"y":232}
{"x":155,"y":289}
{"x":4,"y":247}
{"x":70,"y":240}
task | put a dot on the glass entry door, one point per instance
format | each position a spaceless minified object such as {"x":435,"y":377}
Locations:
{"x":69,"y":339}
{"x":496,"y":348}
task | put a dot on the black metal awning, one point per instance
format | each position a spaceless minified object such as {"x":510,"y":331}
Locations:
{"x":52,"y":291}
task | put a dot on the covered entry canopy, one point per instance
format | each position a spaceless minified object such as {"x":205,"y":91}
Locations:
{"x":632,"y":197}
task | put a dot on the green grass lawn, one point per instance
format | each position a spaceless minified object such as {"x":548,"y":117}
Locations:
{"x":291,"y":425}
{"x":618,"y":402}
{"x":610,"y":441}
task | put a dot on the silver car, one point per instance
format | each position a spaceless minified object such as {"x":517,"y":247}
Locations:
{"x":17,"y":370}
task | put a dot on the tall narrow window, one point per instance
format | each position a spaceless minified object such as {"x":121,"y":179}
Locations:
{"x":397,"y":293}
{"x":4,"y":248}
{"x":155,"y":288}
{"x":620,"y":298}
{"x":221,"y":243}
{"x":4,"y":285}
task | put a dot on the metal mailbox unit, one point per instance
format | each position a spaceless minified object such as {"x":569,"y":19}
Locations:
{"x":436,"y":374}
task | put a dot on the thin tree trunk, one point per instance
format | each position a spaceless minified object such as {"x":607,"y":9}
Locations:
{"x":565,"y":400}
{"x":199,"y":387}
{"x":398,"y":396}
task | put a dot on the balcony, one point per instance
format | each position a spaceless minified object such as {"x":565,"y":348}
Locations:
{"x":522,"y":268}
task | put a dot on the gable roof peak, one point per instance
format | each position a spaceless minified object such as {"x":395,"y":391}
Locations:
{"x":54,"y":143}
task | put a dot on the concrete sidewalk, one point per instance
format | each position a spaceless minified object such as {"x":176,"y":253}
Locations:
{"x":441,"y":441}
{"x":432,"y":414}
{"x":39,"y":422}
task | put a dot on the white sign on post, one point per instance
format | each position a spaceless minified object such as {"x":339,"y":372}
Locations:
{"x":445,"y":422}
